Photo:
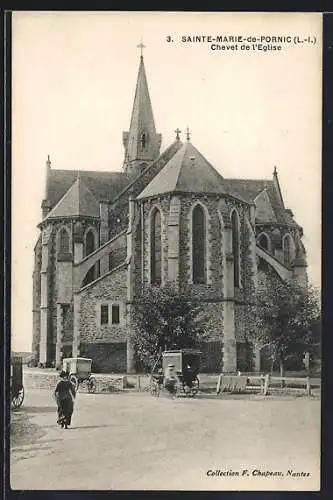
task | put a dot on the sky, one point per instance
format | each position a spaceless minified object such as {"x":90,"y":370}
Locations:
{"x":73,"y":84}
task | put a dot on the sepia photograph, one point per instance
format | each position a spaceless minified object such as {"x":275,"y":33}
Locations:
{"x":166,"y":251}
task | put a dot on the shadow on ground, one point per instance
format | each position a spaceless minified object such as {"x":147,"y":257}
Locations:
{"x":33,"y":448}
{"x":40,"y":409}
{"x":90,"y":427}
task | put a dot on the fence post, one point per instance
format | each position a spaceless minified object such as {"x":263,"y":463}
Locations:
{"x":218,"y":387}
{"x":138,"y":383}
{"x":266,"y":384}
{"x":262,"y":383}
{"x":308,"y":386}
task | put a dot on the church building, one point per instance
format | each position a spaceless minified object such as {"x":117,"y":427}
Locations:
{"x":166,"y":216}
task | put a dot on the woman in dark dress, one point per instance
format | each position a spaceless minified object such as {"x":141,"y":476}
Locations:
{"x":64,"y":394}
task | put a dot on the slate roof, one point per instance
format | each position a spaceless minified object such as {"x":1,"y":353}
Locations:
{"x":78,"y":200}
{"x":103,"y":185}
{"x":264,"y":208}
{"x":187,"y":171}
{"x":269,"y":207}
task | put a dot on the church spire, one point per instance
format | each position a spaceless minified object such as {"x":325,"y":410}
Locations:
{"x":142,"y":143}
{"x":277,"y":185}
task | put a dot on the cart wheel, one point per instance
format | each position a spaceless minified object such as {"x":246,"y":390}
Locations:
{"x":91,"y":383}
{"x":154,"y":388}
{"x":74,"y":381}
{"x":195,"y":387}
{"x":179,"y":388}
{"x":187,"y":390}
{"x":17,"y":400}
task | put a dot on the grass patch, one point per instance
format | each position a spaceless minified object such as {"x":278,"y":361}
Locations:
{"x":22,"y":430}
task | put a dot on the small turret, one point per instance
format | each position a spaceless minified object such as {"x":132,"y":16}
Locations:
{"x":299,"y":265}
{"x":46,"y":205}
{"x":277,"y":185}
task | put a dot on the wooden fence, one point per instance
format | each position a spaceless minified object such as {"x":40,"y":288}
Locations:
{"x":239,"y":383}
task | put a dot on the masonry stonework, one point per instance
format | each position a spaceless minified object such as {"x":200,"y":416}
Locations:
{"x":163,"y":205}
{"x":69,"y":289}
{"x":36,"y":300}
{"x":111,"y":288}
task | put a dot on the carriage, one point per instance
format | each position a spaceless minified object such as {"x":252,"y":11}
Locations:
{"x":79,"y":370}
{"x":176,"y":372}
{"x":16,"y":382}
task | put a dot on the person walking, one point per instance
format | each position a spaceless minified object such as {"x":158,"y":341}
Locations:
{"x":64,"y":395}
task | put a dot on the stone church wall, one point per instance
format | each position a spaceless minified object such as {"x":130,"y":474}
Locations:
{"x":163,"y":204}
{"x":244,"y":295}
{"x":107,"y":357}
{"x":212,"y":347}
{"x":117,"y":257}
{"x":53,"y":292}
{"x":137,"y":264}
{"x":53,"y":288}
{"x":213,"y":289}
{"x":36,"y":301}
{"x":105,"y":344}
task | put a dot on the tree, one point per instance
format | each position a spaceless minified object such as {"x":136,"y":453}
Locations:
{"x":166,"y":318}
{"x":285,"y":317}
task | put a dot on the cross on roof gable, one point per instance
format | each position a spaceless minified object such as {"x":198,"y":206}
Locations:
{"x":187,"y":171}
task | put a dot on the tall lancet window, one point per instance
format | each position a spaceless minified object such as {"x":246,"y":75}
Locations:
{"x":64,"y":241}
{"x":156,"y":247}
{"x":287,"y":250}
{"x":263,"y":241}
{"x":143,"y":140}
{"x":90,"y":242}
{"x":235,"y":246}
{"x":198,"y":245}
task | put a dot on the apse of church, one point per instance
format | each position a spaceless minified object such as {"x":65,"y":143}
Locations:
{"x":166,"y":216}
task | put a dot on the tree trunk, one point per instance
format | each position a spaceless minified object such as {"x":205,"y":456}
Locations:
{"x":273,"y":359}
{"x":282,"y":373}
{"x":272,"y":365}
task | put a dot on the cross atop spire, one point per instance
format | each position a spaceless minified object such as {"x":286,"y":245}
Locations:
{"x":48,"y":162}
{"x":177,"y":132}
{"x":188,"y":133}
{"x":141,"y":47}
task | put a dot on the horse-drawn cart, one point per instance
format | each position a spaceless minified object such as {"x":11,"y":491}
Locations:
{"x":16,"y":382}
{"x":79,"y":370}
{"x":178,"y":373}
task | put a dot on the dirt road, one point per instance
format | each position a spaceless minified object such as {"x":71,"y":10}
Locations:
{"x":135,"y":441}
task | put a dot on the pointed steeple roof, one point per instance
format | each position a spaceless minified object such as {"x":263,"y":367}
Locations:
{"x":142,"y":143}
{"x":188,"y":171}
{"x":263,"y":193}
{"x":77,"y":201}
{"x":264,"y":208}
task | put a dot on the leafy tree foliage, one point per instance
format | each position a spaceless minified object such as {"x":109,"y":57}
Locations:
{"x":165,"y":318}
{"x":285,"y":317}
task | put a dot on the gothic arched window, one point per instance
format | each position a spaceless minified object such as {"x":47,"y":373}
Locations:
{"x":156,"y":247}
{"x":142,"y":166}
{"x":235,"y":246}
{"x":90,"y":242}
{"x":198,"y":245}
{"x":143,"y":140}
{"x":286,"y":250}
{"x":263,"y":241}
{"x":64,"y":241}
